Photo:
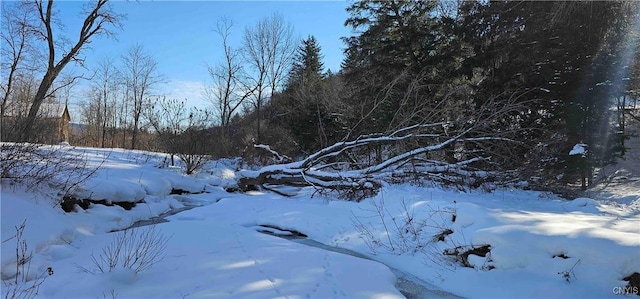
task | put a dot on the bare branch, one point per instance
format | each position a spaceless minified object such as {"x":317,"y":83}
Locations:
{"x":98,"y":16}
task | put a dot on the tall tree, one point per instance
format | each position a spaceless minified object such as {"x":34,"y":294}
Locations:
{"x":307,"y":67}
{"x":268,"y":48}
{"x":107,"y":83}
{"x":562,"y":52}
{"x":98,"y":18}
{"x":395,"y":42}
{"x":140,"y":71}
{"x":229,"y":89}
{"x":17,"y":39}
{"x":307,"y":113}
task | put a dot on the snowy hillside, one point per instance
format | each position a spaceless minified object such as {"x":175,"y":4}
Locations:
{"x":408,"y":241}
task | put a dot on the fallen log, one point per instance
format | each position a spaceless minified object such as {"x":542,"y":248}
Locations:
{"x":354,"y":181}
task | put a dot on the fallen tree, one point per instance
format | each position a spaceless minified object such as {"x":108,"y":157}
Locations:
{"x":326,"y":170}
{"x":459,"y":153}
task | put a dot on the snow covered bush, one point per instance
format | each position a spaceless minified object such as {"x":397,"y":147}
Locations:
{"x":135,"y":249}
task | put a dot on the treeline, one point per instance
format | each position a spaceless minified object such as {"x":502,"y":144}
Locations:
{"x":571,"y":68}
{"x":541,"y":78}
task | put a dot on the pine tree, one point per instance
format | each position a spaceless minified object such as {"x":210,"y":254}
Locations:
{"x":307,"y":115}
{"x":307,"y":68}
{"x":397,"y":42}
{"x":561,"y":54}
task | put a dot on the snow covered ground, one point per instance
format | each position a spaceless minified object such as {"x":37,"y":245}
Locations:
{"x":539,"y":246}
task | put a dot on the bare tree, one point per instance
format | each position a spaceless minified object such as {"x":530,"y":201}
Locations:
{"x":140,"y":71}
{"x":182,"y":132}
{"x":106,"y":83}
{"x":98,"y":17}
{"x":17,"y":39}
{"x":195,"y":140}
{"x":269,"y":48}
{"x":167,"y":118}
{"x":123,"y":112}
{"x":23,"y":87}
{"x":67,"y":83}
{"x":284,"y":47}
{"x":91,"y":113}
{"x":229,"y":89}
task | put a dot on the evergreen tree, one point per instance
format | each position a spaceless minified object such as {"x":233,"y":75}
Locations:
{"x":398,"y":41}
{"x":562,"y":54}
{"x":307,"y":115}
{"x":307,"y":68}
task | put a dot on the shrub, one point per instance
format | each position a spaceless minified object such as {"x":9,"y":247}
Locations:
{"x":404,"y":231}
{"x":34,"y":165}
{"x":23,"y":284}
{"x":137,"y":249}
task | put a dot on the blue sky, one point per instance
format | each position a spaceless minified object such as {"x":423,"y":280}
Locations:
{"x":179,"y":34}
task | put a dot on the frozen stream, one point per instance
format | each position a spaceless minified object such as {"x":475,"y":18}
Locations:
{"x":409,"y":285}
{"x":160,"y":218}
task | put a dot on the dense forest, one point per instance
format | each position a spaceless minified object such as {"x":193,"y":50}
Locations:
{"x":460,"y":92}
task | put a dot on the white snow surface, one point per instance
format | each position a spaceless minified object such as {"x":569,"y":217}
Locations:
{"x":541,"y":246}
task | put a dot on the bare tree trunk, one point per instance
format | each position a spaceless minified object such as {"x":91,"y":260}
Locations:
{"x":228,"y":91}
{"x":106,"y":74}
{"x":124,"y":111}
{"x":269,"y":49}
{"x":15,"y":41}
{"x":134,"y":133}
{"x":98,"y":16}
{"x":45,"y":84}
{"x":104,"y":120}
{"x":140,"y":71}
{"x":259,"y":103}
{"x":623,"y":122}
{"x":321,"y":131}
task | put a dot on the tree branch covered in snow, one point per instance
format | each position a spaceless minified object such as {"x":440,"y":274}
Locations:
{"x":448,"y":152}
{"x":279,"y":158}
